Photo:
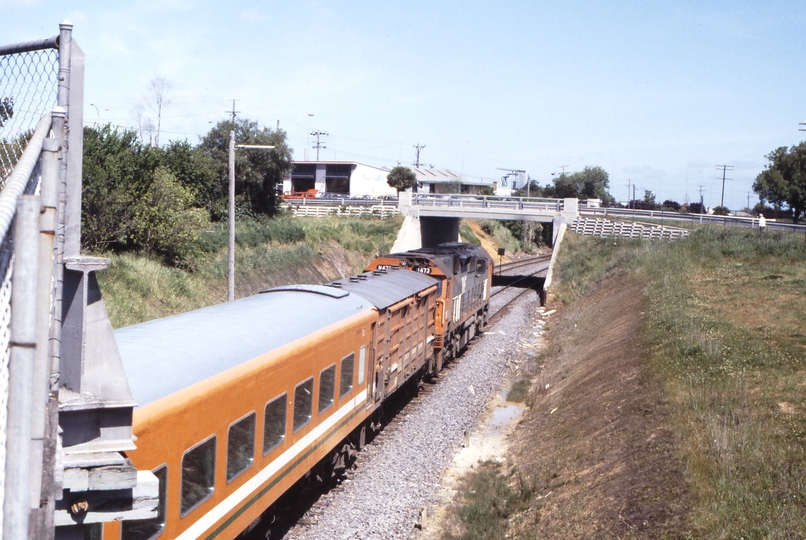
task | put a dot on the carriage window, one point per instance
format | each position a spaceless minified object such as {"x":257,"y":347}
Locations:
{"x":198,"y":475}
{"x":303,"y":404}
{"x":346,"y":377}
{"x":327,"y":388}
{"x":274,"y":423}
{"x":146,"y":529}
{"x":481,"y":266}
{"x":362,"y":359}
{"x":240,"y":446}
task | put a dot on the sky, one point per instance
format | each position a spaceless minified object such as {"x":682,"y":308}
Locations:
{"x":658,"y":93}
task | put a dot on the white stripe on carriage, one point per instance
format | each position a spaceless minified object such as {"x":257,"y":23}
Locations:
{"x":253,"y":484}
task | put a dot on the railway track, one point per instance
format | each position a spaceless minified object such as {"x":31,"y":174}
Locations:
{"x":303,"y":508}
{"x":513,"y":265}
{"x":398,"y":474}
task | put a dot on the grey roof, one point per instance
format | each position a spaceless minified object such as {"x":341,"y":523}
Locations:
{"x":386,"y":288}
{"x":166,"y":355}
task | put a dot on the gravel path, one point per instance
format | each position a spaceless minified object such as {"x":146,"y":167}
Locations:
{"x":399,"y":473}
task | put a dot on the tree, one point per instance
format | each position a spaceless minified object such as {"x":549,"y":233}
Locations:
{"x":696,"y":208}
{"x":138,"y":197}
{"x":164,"y":220}
{"x":257,"y":172}
{"x":196,"y":170}
{"x":145,"y":126}
{"x":118,"y":172}
{"x":590,"y":183}
{"x":401,"y":178}
{"x":6,"y":109}
{"x":649,"y":200}
{"x":783,"y":180}
{"x":534,"y":190}
{"x":158,"y":90}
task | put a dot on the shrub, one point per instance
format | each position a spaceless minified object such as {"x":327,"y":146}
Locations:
{"x":164,"y":221}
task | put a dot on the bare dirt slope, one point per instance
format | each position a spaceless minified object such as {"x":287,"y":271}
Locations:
{"x":596,"y":439}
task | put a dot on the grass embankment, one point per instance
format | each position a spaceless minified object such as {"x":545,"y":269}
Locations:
{"x":277,"y":252}
{"x":720,"y":347}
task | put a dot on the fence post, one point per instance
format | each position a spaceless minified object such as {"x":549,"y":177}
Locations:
{"x":42,"y":445}
{"x":21,"y":369}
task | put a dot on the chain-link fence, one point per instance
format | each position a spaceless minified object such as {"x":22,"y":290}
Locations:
{"x":28,"y":89}
{"x":29,"y":76}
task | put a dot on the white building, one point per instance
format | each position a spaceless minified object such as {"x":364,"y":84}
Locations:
{"x":430,"y":180}
{"x":348,"y":178}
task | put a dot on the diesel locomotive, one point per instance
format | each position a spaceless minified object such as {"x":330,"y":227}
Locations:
{"x":237,"y":402}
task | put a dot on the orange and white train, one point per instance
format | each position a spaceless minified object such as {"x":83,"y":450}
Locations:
{"x":237,"y":402}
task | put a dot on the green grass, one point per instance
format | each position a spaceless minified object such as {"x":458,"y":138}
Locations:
{"x":268,"y":253}
{"x":500,"y":235}
{"x":467,"y":234}
{"x":727,"y":334}
{"x":490,"y":497}
{"x":520,"y":390}
{"x":726,"y":324}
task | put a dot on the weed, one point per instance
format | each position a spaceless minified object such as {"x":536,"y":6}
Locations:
{"x":490,"y":497}
{"x":519,"y":391}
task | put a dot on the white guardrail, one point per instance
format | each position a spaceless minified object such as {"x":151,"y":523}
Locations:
{"x":691,"y":219}
{"x":338,"y":210}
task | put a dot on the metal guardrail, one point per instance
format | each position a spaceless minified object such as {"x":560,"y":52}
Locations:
{"x":487,"y":201}
{"x":692,"y":219}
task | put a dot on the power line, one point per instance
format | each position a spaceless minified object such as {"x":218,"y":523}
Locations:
{"x":724,"y":168}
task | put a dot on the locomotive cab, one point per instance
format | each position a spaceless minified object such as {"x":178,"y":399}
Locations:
{"x":465,"y":274}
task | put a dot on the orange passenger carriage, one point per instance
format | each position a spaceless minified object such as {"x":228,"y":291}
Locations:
{"x":239,"y":401}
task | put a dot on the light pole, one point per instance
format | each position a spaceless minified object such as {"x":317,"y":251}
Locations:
{"x":97,"y":109}
{"x":294,"y":123}
{"x":231,"y":211}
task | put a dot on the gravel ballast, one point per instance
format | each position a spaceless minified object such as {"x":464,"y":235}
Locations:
{"x":399,"y":473}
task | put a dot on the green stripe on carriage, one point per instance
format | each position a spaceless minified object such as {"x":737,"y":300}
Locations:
{"x":221,"y":528}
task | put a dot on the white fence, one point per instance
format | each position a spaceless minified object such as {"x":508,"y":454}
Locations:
{"x":320,"y":210}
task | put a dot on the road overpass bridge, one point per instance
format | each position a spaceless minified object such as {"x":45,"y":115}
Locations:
{"x":432,"y":219}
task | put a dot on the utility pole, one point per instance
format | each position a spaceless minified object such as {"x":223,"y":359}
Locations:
{"x":231,"y":209}
{"x":803,"y":126}
{"x":748,"y":201}
{"x":418,"y":147}
{"x":233,"y":112}
{"x":702,"y":205}
{"x":563,"y":168}
{"x":724,"y":168}
{"x":629,"y":183}
{"x":319,"y":145}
